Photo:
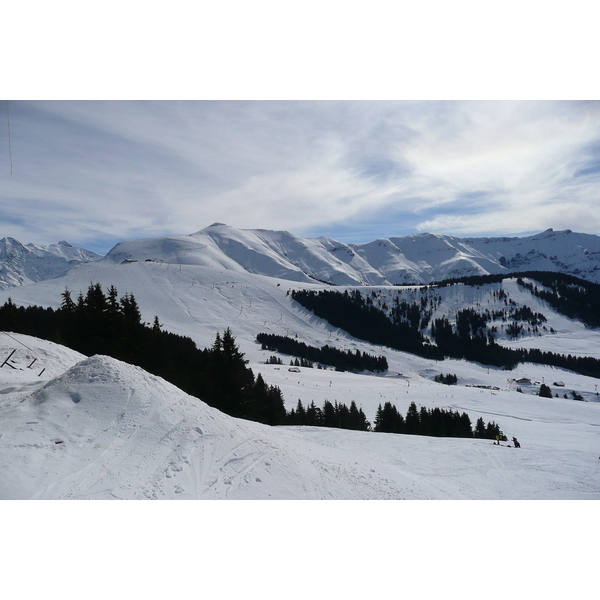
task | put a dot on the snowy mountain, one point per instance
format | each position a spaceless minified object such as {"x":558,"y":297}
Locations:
{"x":94,"y":427}
{"x":420,"y":258}
{"x":77,"y":427}
{"x":21,"y":264}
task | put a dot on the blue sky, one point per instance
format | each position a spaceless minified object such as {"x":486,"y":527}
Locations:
{"x":96,"y":172}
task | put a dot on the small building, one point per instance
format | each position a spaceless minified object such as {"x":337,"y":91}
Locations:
{"x":294,"y":370}
{"x":559,"y":384}
{"x":523,"y":380}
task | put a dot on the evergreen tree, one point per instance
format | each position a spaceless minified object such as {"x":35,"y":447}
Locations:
{"x":225,"y":380}
{"x":378,"y":423}
{"x":363,"y":422}
{"x":10,"y":316}
{"x":389,"y":420}
{"x":231,"y":351}
{"x":112,"y":301}
{"x":424,"y":422}
{"x":328,"y":414}
{"x":464,"y":428}
{"x":480,"y":428}
{"x":412,"y":419}
{"x":313,"y":415}
{"x":130,"y":310}
{"x":217,"y":346}
{"x":301,"y":413}
{"x":95,"y":302}
{"x":67,"y":304}
{"x":353,"y":417}
{"x":438,"y":425}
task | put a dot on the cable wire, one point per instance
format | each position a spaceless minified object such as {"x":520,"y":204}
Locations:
{"x":9,"y":149}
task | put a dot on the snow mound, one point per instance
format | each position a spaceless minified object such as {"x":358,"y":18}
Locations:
{"x":105,"y":429}
{"x":31,"y":361}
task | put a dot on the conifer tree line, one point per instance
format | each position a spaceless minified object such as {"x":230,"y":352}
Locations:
{"x":274,"y":360}
{"x":469,"y":339}
{"x":576,"y":299}
{"x":438,"y":422}
{"x":99,"y":323}
{"x":326,"y":355}
{"x":303,"y":362}
{"x":569,"y":295}
{"x":355,"y":313}
{"x":336,"y":415}
{"x":448,"y":379}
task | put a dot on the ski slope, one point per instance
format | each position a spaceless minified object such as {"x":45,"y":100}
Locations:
{"x":103,"y":429}
{"x":124,"y":433}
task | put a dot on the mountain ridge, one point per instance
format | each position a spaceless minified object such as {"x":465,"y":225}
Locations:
{"x":421,"y":258}
{"x":418,"y":258}
{"x":21,"y":264}
{"x":102,"y":429}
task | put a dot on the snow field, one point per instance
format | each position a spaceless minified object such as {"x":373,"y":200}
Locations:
{"x":104,"y":429}
{"x":127,"y":434}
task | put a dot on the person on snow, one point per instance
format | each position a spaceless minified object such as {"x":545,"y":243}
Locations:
{"x":516,"y":442}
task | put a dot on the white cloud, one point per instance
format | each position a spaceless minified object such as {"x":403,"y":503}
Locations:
{"x":87,"y":171}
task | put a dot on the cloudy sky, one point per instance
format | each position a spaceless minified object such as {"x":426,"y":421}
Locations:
{"x":246,"y":114}
{"x":96,"y":172}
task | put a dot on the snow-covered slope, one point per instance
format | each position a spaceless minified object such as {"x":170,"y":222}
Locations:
{"x":198,"y":301}
{"x":104,"y":429}
{"x":421,"y":258}
{"x":271,"y":253}
{"x":561,"y":251}
{"x":127,"y":434}
{"x":21,"y":264}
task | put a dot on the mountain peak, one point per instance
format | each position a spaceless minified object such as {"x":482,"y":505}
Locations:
{"x":418,"y":259}
{"x":22,"y":264}
{"x":217,"y":224}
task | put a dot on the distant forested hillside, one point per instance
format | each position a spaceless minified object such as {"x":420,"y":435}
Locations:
{"x":569,"y":295}
{"x":356,"y":314}
{"x":411,"y":326}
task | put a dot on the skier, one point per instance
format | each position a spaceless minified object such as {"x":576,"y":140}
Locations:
{"x":516,"y":442}
{"x":498,"y":440}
